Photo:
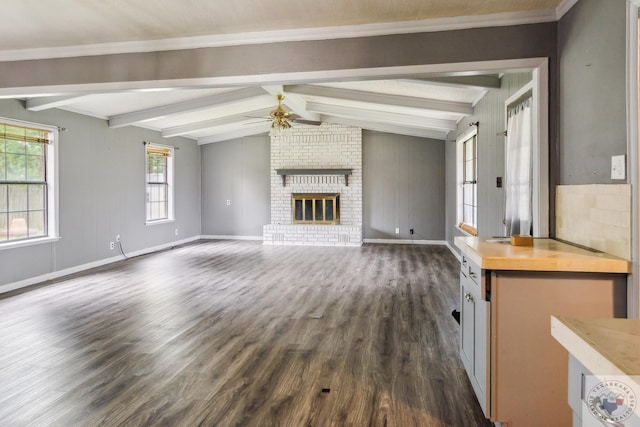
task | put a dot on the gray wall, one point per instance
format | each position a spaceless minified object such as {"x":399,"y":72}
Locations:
{"x":490,"y":112}
{"x":101,"y":194}
{"x":592,"y":52}
{"x":236,"y":170}
{"x":403,"y":186}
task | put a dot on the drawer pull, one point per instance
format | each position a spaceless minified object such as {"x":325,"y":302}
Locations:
{"x":468,"y":297}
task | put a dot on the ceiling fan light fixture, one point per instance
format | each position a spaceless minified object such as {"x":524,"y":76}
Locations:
{"x":280,"y":118}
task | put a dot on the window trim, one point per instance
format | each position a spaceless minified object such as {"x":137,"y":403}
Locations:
{"x":52,"y":179}
{"x":170,"y":183}
{"x":472,"y":132}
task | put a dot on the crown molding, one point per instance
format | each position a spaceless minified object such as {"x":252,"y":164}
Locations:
{"x":564,"y":7}
{"x":281,"y":36}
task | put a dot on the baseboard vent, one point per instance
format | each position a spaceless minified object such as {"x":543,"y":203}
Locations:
{"x":343,"y":238}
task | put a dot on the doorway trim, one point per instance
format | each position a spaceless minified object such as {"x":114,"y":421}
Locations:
{"x":633,"y":284}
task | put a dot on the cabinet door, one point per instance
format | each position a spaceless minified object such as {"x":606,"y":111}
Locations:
{"x":473,"y":330}
{"x":467,"y":324}
{"x":480,"y":362}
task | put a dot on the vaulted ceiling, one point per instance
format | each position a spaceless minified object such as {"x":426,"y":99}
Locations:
{"x":430,"y":106}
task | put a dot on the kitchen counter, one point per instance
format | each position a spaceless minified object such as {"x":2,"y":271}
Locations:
{"x":544,"y":255}
{"x":604,"y":346}
{"x":507,"y":297}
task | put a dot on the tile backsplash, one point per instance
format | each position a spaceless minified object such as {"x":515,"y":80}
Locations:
{"x":597,"y":216}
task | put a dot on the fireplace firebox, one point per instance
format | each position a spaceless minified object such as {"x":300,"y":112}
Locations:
{"x":315,"y":208}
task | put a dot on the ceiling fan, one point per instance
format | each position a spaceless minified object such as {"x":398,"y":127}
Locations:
{"x":282,"y":119}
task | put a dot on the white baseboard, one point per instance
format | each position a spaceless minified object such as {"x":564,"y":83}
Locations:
{"x":78,"y":268}
{"x":55,"y":274}
{"x":417,"y":242}
{"x":228,"y":237}
{"x":406,"y":241}
{"x":162,"y":247}
{"x":454,"y":252}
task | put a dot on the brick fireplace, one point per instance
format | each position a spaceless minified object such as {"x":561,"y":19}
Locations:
{"x":315,"y":153}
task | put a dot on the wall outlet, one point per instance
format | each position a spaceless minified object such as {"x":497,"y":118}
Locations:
{"x":112,"y":245}
{"x":117,"y":237}
{"x":397,"y":230}
{"x":228,"y":202}
{"x":176,"y":231}
{"x":411,"y":231}
{"x":618,"y":166}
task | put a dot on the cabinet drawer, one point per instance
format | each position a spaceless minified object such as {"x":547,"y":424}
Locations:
{"x":471,"y":269}
{"x":464,"y":265}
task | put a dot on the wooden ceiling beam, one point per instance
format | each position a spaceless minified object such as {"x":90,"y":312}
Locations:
{"x":393,"y":118}
{"x":192,"y":105}
{"x":462,"y":108}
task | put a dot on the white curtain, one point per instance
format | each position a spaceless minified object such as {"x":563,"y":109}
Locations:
{"x":518,"y":179}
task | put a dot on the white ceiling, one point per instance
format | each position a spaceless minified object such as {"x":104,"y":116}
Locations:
{"x":425,"y":107}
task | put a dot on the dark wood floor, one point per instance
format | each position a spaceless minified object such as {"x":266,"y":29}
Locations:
{"x":237,"y":333}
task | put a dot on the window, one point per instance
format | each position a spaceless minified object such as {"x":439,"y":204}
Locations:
{"x":159,"y":189}
{"x":467,"y":167}
{"x":26,"y":182}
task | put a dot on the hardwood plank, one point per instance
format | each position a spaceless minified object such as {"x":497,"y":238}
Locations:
{"x":237,"y":333}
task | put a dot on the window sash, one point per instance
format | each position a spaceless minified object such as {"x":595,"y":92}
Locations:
{"x":467,"y":211}
{"x":157,"y":201}
{"x":469,"y":160}
{"x":23,"y":211}
{"x":158,"y":177}
{"x":470,"y":204}
{"x":24,"y":190}
{"x":160,"y":163}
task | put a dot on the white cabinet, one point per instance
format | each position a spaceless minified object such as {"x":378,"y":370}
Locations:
{"x":577,"y":372}
{"x":473,"y":329}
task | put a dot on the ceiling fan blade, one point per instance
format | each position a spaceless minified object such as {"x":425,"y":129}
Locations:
{"x":307,"y":122}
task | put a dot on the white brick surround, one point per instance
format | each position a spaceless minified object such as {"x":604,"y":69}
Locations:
{"x":327,"y":146}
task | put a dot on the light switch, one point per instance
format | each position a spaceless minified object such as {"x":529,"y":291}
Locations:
{"x":618,"y":166}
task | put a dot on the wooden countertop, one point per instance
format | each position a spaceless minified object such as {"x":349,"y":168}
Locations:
{"x":544,"y":255}
{"x":604,"y":346}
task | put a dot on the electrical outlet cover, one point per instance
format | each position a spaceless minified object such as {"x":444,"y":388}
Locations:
{"x":618,"y":166}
